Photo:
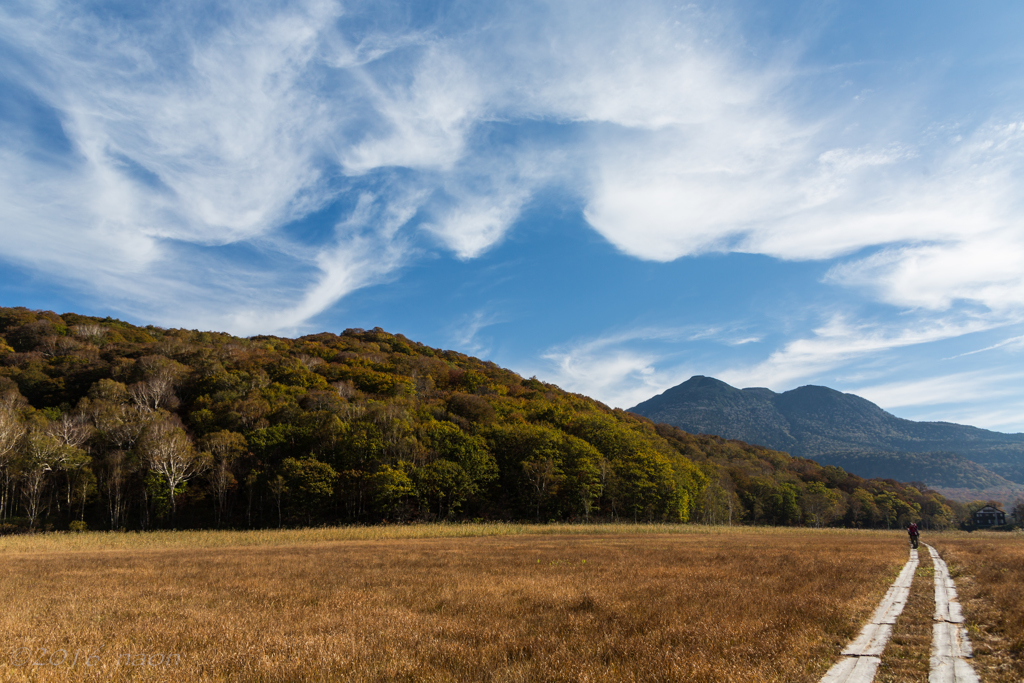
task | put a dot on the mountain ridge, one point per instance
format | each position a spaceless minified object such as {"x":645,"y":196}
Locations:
{"x":829,"y":426}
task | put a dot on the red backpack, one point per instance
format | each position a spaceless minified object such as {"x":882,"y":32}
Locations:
{"x":912,"y":530}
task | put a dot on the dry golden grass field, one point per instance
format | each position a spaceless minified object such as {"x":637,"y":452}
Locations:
{"x":988,"y":569}
{"x":451,"y":603}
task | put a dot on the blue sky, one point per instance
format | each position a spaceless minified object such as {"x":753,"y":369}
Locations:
{"x":611,"y":198}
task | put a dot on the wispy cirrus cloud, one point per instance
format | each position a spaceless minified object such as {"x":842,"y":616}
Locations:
{"x":944,"y":389}
{"x":466,"y":334}
{"x":984,"y":397}
{"x":626,"y":367}
{"x":1003,"y":415}
{"x":182,"y":130}
{"x":1012,"y":343}
{"x":838,"y":342}
{"x":960,"y":231}
{"x":619,"y":377}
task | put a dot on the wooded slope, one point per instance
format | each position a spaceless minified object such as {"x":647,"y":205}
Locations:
{"x":120,"y":426}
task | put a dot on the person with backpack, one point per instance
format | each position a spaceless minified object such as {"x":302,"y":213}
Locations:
{"x":914,"y":534}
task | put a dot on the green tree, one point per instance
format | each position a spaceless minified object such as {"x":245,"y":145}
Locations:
{"x":391,"y":487}
{"x":783,"y":506}
{"x":310,"y":484}
{"x":936,"y":514}
{"x":544,"y":475}
{"x":895,"y":511}
{"x":226,"y":449}
{"x":580,"y":464}
{"x":773,"y":502}
{"x":1017,"y":512}
{"x":719,"y":503}
{"x":821,"y":504}
{"x":448,"y":442}
{"x":572,"y":483}
{"x":444,"y":483}
{"x":863,"y":510}
{"x":640,"y":485}
{"x":651,"y":480}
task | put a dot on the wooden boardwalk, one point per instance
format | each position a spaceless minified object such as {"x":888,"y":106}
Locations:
{"x":950,"y":645}
{"x":862,"y":656}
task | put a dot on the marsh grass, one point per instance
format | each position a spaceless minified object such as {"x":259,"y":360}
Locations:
{"x":503,"y":604}
{"x":907,"y":657}
{"x":988,"y":568}
{"x":194,"y":539}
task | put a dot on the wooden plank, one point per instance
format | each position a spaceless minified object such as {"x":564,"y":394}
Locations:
{"x":950,"y":645}
{"x":853,"y":670}
{"x":872,"y":641}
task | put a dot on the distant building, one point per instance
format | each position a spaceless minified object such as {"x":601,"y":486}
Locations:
{"x":989,"y":516}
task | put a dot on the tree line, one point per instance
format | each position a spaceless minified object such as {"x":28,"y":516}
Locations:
{"x":107,"y":425}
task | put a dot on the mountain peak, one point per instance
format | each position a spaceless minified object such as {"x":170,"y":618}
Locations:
{"x":710,"y":406}
{"x":827,"y":425}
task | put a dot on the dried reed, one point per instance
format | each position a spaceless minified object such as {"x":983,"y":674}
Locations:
{"x":597,"y":604}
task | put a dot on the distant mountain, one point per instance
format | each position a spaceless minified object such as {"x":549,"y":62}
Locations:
{"x":846,"y":430}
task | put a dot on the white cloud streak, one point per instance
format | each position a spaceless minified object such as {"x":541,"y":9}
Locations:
{"x":946,"y":389}
{"x":466,"y":333}
{"x":1002,"y":416}
{"x":839,"y":342}
{"x":620,"y":378}
{"x":1012,"y":343}
{"x":622,"y":369}
{"x":214,"y":148}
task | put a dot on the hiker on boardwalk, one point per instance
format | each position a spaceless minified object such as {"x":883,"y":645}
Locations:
{"x":914,"y":534}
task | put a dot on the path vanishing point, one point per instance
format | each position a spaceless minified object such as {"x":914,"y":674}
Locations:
{"x":950,"y":645}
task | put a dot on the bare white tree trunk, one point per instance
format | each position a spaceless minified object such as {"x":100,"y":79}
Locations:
{"x":157,"y":389}
{"x":72,"y":431}
{"x":222,"y":481}
{"x":117,"y":473}
{"x":169,"y":453}
{"x":11,"y":431}
{"x":41,"y":452}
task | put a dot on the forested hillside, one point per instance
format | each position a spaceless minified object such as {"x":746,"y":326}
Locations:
{"x":115,"y":426}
